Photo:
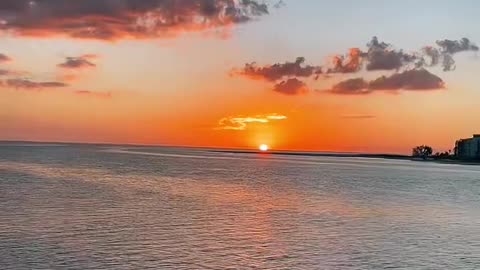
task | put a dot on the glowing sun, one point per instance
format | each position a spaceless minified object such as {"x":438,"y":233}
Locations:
{"x":263,"y":147}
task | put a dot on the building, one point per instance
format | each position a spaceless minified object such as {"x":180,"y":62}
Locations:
{"x":468,"y":148}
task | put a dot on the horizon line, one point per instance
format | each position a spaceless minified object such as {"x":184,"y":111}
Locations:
{"x":239,"y":149}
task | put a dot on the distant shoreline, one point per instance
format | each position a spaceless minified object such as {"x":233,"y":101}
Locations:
{"x":353,"y":155}
{"x":248,"y":151}
{"x":315,"y":154}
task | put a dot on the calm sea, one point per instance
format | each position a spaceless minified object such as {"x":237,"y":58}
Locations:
{"x":105,"y":207}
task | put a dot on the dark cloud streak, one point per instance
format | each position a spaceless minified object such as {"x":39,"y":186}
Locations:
{"x":32,"y":85}
{"x":77,"y":62}
{"x":4,"y":58}
{"x":5,"y":72}
{"x":415,"y":79}
{"x":351,"y":86}
{"x":358,"y":116}
{"x":291,"y":87}
{"x":93,"y":93}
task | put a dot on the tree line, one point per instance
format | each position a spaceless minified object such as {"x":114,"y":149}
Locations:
{"x":425,"y":152}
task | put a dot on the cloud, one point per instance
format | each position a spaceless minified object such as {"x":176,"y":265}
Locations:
{"x":78,"y":62}
{"x":409,"y":68}
{"x":119,"y":19}
{"x":16,"y":80}
{"x":26,"y":84}
{"x":284,"y":75}
{"x":11,"y":73}
{"x":73,"y":67}
{"x":5,"y":72}
{"x":67,"y":77}
{"x":93,"y":93}
{"x":241,"y":123}
{"x":352,"y":62}
{"x":414,"y":79}
{"x":450,"y":47}
{"x":351,"y":86}
{"x":278,"y":71}
{"x":291,"y":87}
{"x":443,"y":55}
{"x":431,"y":53}
{"x":381,"y":56}
{"x":4,"y":58}
{"x":279,"y":4}
{"x":378,"y":56}
{"x":456,"y":46}
{"x":275,"y":116}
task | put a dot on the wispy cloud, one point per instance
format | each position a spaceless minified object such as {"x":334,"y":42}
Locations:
{"x":83,"y":61}
{"x":13,"y":73}
{"x":15,"y":79}
{"x":93,"y":93}
{"x":242,"y":122}
{"x":358,"y":116}
{"x":26,"y":84}
{"x":29,"y":85}
{"x":4,"y":58}
{"x":5,"y":72}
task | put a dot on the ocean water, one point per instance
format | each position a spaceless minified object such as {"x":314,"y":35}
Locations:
{"x":105,"y":207}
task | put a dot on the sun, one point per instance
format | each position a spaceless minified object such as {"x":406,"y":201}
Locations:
{"x":263,"y":147}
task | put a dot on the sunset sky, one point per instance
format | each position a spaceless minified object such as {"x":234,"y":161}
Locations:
{"x":296,"y":75}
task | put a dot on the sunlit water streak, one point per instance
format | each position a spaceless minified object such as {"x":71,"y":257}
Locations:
{"x":93,"y":207}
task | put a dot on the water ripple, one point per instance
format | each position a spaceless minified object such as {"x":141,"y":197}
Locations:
{"x":67,"y":207}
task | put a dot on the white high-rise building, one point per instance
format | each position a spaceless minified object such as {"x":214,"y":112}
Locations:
{"x":468,"y":148}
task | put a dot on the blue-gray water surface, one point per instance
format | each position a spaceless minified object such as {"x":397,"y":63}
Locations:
{"x":106,"y":207}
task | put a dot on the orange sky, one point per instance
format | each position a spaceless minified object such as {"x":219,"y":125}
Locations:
{"x":176,"y":90}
